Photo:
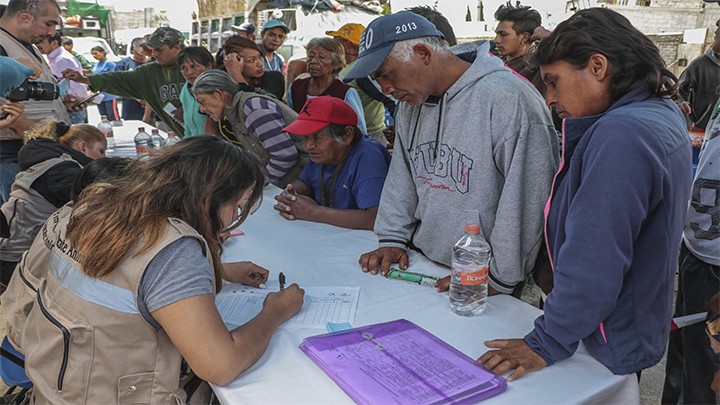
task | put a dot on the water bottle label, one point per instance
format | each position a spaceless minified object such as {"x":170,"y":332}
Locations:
{"x":141,"y":150}
{"x":477,"y":277}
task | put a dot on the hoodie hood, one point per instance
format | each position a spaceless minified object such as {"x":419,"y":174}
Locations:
{"x":467,"y":51}
{"x":42,"y":149}
{"x":483,"y":64}
{"x":714,"y":56}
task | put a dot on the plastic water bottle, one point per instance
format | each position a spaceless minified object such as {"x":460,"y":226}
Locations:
{"x":158,"y":140}
{"x":143,"y":143}
{"x":106,"y":127}
{"x":172,"y":139}
{"x":468,"y":284}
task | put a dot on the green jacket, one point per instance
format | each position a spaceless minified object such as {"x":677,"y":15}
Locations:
{"x":374,"y":109}
{"x":86,"y":64}
{"x":157,"y":85}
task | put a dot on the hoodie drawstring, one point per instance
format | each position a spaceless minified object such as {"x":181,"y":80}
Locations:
{"x":439,"y":133}
{"x":411,"y":147}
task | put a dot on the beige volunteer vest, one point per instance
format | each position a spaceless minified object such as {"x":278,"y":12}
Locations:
{"x":34,"y":110}
{"x":84,"y":339}
{"x":251,"y":143}
{"x":27,"y":210}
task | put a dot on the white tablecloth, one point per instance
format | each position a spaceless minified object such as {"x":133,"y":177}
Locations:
{"x":313,"y":254}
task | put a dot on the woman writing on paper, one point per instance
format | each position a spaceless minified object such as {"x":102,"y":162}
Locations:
{"x":131,"y":276}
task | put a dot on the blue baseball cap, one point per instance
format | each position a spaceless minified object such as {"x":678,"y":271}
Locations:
{"x":381,"y":35}
{"x":275,"y":24}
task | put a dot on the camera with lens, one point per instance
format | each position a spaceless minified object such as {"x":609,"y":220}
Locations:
{"x":41,"y":91}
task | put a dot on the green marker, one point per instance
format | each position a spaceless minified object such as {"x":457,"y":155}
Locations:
{"x":410,"y":277}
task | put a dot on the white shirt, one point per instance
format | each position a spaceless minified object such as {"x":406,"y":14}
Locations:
{"x":59,"y":60}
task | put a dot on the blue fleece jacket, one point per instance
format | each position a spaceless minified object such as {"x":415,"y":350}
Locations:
{"x":613,"y":231}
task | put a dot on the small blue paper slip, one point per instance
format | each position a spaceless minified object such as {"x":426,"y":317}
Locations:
{"x":337,"y":327}
{"x":423,"y":368}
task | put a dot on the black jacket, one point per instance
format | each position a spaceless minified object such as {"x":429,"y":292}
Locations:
{"x":55,"y":185}
{"x":699,"y":85}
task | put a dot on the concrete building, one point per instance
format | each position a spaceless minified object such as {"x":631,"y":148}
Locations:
{"x":117,"y":21}
{"x":148,"y":17}
{"x":682,"y":29}
{"x":662,"y":16}
{"x":214,"y":18}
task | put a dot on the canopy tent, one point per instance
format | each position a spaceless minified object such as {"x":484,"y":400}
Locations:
{"x":75,"y":7}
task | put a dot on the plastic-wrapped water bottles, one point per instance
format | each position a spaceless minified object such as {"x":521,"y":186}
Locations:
{"x":468,"y":284}
{"x":143,"y":143}
{"x":172,"y":139}
{"x":106,"y":128}
{"x":158,"y":140}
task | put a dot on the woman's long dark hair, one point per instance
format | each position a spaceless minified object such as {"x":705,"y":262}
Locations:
{"x":635,"y":61}
{"x":189,"y":181}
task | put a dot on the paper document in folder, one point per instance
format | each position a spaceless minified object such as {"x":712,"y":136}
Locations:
{"x":399,"y":362}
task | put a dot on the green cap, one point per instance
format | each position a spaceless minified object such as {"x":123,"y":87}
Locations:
{"x":276,"y":24}
{"x":165,"y":36}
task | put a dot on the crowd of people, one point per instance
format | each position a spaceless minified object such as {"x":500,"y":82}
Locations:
{"x":393,"y":128}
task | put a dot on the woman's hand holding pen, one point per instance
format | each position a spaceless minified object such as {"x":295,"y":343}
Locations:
{"x":247,"y":273}
{"x":286,"y":303}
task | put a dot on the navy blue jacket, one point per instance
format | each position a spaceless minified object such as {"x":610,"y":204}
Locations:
{"x":613,"y":229}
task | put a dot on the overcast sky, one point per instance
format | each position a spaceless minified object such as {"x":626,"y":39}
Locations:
{"x":179,"y":11}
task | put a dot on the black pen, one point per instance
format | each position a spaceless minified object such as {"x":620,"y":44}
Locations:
{"x":282,"y":281}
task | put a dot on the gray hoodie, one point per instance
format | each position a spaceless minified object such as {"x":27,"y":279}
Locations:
{"x":485,"y":152}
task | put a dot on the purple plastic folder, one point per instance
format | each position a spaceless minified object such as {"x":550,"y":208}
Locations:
{"x":400,"y":363}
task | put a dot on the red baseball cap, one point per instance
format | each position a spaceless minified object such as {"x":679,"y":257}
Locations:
{"x":320,"y":111}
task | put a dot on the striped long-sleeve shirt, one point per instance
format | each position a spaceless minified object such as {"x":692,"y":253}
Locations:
{"x":265,"y":119}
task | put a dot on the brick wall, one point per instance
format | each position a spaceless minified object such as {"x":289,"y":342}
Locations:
{"x":668,"y":45}
{"x":664,"y":21}
{"x":215,"y":8}
{"x":675,"y":19}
